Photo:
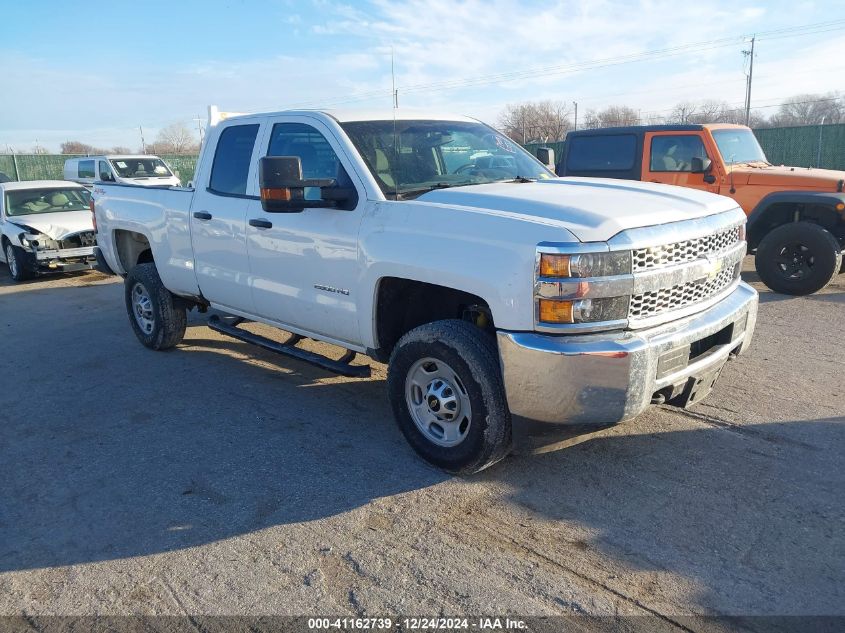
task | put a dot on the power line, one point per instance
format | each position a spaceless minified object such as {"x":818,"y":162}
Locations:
{"x":796,"y":31}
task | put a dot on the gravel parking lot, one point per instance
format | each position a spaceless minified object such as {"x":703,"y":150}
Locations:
{"x":221,"y":479}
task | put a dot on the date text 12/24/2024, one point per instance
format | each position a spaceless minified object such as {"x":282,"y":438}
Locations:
{"x":417,"y":624}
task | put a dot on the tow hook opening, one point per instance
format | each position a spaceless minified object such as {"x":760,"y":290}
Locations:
{"x":661,"y":396}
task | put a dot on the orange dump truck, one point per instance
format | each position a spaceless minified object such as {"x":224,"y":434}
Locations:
{"x":796,"y":215}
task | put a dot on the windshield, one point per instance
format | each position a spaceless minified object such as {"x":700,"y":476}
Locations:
{"x":430,"y":155}
{"x":140,"y":168}
{"x":52,"y":200}
{"x":739,"y":146}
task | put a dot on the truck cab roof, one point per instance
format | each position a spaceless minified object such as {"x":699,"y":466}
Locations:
{"x":349,"y":115}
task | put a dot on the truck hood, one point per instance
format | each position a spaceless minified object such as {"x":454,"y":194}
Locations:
{"x":55,"y":225}
{"x":780,"y":175}
{"x":592,"y":209}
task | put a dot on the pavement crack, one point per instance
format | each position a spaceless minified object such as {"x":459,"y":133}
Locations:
{"x":527,"y":549}
{"x":733,"y":427}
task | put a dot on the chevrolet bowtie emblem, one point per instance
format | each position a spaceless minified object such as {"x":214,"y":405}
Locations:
{"x":714,"y":267}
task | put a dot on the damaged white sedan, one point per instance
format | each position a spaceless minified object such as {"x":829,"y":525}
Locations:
{"x":45,"y":226}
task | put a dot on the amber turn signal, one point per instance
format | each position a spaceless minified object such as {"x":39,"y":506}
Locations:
{"x":275,"y":194}
{"x":555,"y":311}
{"x":552,"y":265}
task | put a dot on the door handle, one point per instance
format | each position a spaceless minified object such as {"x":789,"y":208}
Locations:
{"x":202,"y":215}
{"x":261,"y":224}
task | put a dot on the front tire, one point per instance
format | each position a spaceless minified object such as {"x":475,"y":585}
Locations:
{"x":799,"y":258}
{"x":15,"y":260}
{"x":157,"y":316}
{"x":446,"y":389}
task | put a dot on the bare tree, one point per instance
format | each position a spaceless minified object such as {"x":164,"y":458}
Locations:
{"x":176,"y":138}
{"x":712,"y":111}
{"x":810,"y":109}
{"x":536,"y":121}
{"x":612,"y":116}
{"x":78,"y":147}
{"x":120,"y":149}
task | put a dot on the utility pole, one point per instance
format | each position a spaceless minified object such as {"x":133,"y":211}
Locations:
{"x":198,"y":119}
{"x":143,"y":144}
{"x":523,"y":125}
{"x":750,"y":55}
{"x":819,"y":155}
{"x":575,"y":127}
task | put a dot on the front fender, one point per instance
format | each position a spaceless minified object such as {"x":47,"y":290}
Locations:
{"x":490,"y":256}
{"x":779,"y":207}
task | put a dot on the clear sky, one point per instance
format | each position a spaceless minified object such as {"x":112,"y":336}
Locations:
{"x":94,"y":72}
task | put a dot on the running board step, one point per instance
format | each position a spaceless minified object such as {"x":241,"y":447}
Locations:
{"x":340,"y":366}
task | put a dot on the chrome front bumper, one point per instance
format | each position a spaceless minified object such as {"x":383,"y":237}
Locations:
{"x":600,"y":379}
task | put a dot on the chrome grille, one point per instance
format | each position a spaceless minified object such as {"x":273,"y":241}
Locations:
{"x":652,"y":303}
{"x":685,"y":251}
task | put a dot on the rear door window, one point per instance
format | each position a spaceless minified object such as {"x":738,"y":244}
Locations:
{"x":86,"y":169}
{"x":230,"y":169}
{"x":614,"y":152}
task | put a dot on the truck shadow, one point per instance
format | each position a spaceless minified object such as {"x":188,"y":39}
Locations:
{"x":77,"y":278}
{"x":130,"y":452}
{"x":835,"y":292}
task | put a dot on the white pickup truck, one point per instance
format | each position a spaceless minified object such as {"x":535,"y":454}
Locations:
{"x":507,"y":302}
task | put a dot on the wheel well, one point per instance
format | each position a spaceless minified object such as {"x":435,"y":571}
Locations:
{"x":403,"y":304}
{"x":132,"y":249}
{"x":781,"y":213}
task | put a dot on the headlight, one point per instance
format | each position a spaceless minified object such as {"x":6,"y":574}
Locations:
{"x":558,"y":311}
{"x":29,"y":241}
{"x":583,"y":288}
{"x":585,"y":264}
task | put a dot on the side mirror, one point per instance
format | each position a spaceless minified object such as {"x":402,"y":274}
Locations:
{"x":546,"y":155}
{"x":700,"y":165}
{"x":106,"y":177}
{"x":283,"y":187}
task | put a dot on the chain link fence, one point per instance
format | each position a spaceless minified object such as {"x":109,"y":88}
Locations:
{"x":51,"y":166}
{"x":804,"y":146}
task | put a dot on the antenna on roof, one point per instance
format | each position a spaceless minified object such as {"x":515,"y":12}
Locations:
{"x":393,"y":89}
{"x":396,"y":149}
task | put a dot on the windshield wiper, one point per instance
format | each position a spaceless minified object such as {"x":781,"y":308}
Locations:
{"x":421,"y":190}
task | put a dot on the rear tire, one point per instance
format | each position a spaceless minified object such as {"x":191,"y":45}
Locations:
{"x":446,"y":389}
{"x":798,"y":258}
{"x":16,"y":261}
{"x":158,"y":317}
